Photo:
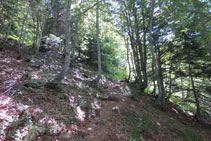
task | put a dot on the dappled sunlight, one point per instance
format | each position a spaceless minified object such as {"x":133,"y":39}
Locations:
{"x":9,"y":112}
{"x":96,"y":105}
{"x":80,"y":114}
{"x":35,"y":75}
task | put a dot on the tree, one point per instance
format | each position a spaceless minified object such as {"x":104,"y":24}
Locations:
{"x":161,"y":95}
{"x":66,"y":65}
{"x":98,"y":45}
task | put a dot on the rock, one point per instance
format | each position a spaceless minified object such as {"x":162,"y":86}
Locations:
{"x":49,"y":42}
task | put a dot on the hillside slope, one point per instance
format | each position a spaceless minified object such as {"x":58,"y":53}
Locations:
{"x":78,"y":111}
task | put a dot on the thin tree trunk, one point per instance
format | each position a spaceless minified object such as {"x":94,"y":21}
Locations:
{"x":62,"y":74}
{"x":21,"y":34}
{"x":133,"y":65}
{"x":154,"y":78}
{"x":194,"y":92}
{"x":128,"y":57}
{"x":41,"y":32}
{"x":160,"y":75}
{"x":8,"y":32}
{"x":98,"y":45}
{"x":145,"y":55}
{"x":170,"y":83}
{"x":139,"y":50}
{"x":43,"y":25}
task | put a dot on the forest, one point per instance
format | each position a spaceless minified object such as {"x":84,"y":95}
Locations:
{"x":105,"y":70}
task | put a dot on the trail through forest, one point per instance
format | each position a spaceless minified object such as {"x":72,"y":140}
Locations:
{"x":81,"y":112}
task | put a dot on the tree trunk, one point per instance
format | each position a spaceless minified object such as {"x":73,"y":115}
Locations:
{"x":145,"y":55}
{"x":170,"y":83}
{"x":160,"y":77}
{"x":161,"y":96}
{"x":21,"y":35}
{"x":128,"y":57}
{"x":202,"y":16}
{"x":194,"y":92}
{"x":98,"y":45}
{"x":8,"y":32}
{"x":41,"y":32}
{"x":62,"y":74}
{"x":55,"y":9}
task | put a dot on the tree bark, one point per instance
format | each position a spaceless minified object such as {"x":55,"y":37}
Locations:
{"x":98,"y":45}
{"x":161,"y":96}
{"x":194,"y":92}
{"x":66,"y":65}
{"x":21,"y":34}
{"x":128,"y":57}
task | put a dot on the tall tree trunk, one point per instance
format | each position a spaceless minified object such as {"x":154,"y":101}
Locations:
{"x":62,"y":74}
{"x":139,"y":50}
{"x":98,"y":45}
{"x":161,"y":96}
{"x":145,"y":55}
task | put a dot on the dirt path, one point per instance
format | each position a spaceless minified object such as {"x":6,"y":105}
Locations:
{"x":108,"y":126}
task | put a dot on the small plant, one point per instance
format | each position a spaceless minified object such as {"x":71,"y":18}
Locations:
{"x":134,"y":134}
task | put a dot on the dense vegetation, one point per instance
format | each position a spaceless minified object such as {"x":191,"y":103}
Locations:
{"x":162,"y":48}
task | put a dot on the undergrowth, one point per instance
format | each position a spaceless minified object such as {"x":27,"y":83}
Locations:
{"x":138,"y":125}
